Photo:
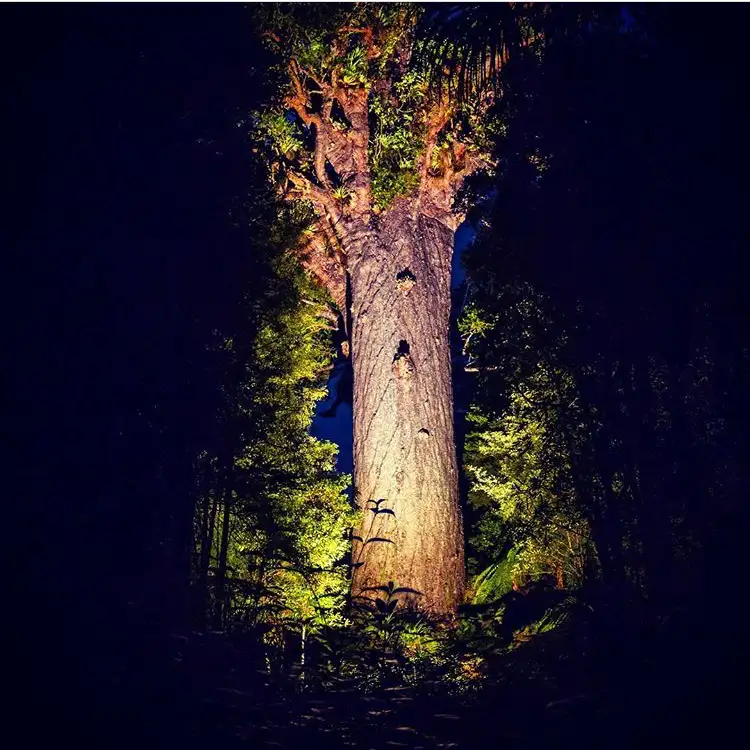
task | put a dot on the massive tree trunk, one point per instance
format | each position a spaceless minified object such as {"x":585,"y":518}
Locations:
{"x":405,"y":471}
{"x":396,"y":261}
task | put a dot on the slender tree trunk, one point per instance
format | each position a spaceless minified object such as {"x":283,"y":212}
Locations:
{"x":302,"y":644}
{"x":208,"y":522}
{"x":210,"y":534}
{"x":405,"y":470}
{"x":221,"y":583}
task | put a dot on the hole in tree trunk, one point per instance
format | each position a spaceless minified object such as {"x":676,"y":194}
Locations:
{"x":403,"y":365}
{"x":405,"y":280}
{"x":309,"y":134}
{"x":333,"y":175}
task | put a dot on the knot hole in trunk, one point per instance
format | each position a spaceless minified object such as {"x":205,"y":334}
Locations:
{"x":403,"y":365}
{"x":405,"y":280}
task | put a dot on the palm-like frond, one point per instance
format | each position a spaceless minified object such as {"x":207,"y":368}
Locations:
{"x":464,"y":46}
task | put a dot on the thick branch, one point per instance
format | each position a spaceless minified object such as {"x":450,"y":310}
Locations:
{"x":346,"y":150}
{"x":322,"y":199}
{"x":328,"y":267}
{"x":349,"y":155}
{"x":440,"y":185}
{"x":300,"y":103}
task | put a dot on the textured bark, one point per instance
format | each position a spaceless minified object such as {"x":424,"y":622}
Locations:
{"x":405,"y":470}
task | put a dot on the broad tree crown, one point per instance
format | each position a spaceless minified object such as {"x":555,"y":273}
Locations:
{"x":373,"y":112}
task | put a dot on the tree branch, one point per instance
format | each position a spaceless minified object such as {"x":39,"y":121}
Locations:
{"x":369,"y":39}
{"x":322,"y":199}
{"x":300,"y":103}
{"x":328,"y":267}
{"x":439,"y":187}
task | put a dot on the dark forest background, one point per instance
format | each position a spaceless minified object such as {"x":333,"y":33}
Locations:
{"x":125,"y":176}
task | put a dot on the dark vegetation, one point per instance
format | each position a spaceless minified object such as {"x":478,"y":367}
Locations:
{"x":180,"y":563}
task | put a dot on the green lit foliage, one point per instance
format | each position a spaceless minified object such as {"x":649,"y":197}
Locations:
{"x":398,"y":94}
{"x":341,"y":193}
{"x":382,"y":649}
{"x":308,"y":34}
{"x":397,"y":141}
{"x":495,"y":581}
{"x":402,"y":115}
{"x":601,"y":324}
{"x":289,"y":512}
{"x":472,"y":324}
{"x":278,"y":131}
{"x":518,"y":469}
{"x":354,"y":67}
{"x":301,"y":31}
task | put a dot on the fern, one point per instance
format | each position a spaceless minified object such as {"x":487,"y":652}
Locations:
{"x":495,"y":581}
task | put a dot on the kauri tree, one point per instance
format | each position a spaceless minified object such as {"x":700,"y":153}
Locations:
{"x":377,"y":130}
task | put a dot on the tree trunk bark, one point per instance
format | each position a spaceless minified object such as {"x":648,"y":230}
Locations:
{"x":221,"y":578}
{"x":208,"y":521}
{"x":405,"y":470}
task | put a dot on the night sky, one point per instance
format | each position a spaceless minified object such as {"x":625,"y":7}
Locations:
{"x":119,"y":187}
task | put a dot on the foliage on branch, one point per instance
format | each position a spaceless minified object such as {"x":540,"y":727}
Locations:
{"x":397,"y":141}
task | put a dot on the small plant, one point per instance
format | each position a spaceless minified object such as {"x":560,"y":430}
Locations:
{"x":280,"y":132}
{"x":342,"y":193}
{"x":354,"y":67}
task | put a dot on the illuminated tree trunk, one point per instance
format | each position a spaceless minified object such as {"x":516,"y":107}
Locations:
{"x":387,"y":268}
{"x":405,"y":471}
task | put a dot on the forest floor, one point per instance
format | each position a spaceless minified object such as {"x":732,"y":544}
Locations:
{"x":559,"y":689}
